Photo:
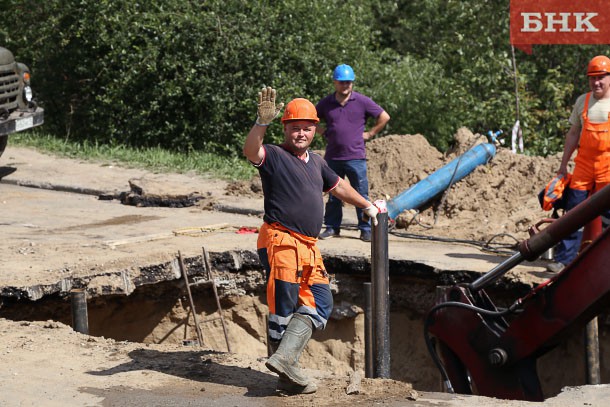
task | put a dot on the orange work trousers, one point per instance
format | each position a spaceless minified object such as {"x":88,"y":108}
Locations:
{"x":297,"y":281}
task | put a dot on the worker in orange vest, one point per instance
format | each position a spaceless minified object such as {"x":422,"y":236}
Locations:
{"x":590,"y":133}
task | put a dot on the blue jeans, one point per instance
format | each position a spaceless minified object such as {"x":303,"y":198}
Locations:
{"x":355,"y":171}
{"x":568,"y":248}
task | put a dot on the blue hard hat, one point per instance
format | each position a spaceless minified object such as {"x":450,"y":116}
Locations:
{"x":344,"y":73}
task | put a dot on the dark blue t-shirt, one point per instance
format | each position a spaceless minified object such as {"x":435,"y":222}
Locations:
{"x":293,"y":189}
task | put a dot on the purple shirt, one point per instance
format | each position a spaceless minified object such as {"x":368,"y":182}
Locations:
{"x":345,"y":125}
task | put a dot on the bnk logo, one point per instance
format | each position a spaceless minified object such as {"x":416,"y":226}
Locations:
{"x":562,"y":22}
{"x":558,"y":22}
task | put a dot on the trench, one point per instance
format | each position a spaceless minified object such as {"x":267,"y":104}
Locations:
{"x":158,"y":311}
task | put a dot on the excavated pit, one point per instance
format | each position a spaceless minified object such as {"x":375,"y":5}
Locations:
{"x":144,"y":300}
{"x":158,"y":311}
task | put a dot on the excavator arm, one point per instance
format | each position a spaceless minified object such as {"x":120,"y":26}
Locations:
{"x":481,"y":349}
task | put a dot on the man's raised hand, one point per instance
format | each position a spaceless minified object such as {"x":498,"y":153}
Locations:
{"x":267,"y":110}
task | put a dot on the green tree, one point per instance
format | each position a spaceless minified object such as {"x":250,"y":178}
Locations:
{"x":470,"y":43}
{"x":180,"y":74}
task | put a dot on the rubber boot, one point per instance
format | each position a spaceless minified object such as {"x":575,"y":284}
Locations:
{"x":284,"y":385}
{"x":284,"y":361}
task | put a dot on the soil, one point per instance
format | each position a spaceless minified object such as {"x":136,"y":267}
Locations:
{"x":48,"y":363}
{"x":500,"y":197}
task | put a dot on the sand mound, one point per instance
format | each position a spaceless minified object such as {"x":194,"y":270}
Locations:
{"x":499,"y":197}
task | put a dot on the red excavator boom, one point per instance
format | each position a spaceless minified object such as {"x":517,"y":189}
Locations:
{"x":492,"y":350}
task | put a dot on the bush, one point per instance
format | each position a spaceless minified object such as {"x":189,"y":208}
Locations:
{"x":182,"y":74}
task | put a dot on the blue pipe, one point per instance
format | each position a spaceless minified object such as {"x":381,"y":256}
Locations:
{"x":435,"y":183}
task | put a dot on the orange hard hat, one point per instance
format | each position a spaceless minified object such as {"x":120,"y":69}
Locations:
{"x":599,"y":65}
{"x":300,"y":109}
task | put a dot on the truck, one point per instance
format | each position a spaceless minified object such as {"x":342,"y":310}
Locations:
{"x":18,"y":109}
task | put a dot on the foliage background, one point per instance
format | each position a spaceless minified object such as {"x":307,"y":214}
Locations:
{"x":183,"y":75}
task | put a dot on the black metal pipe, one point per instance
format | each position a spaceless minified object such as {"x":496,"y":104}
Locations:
{"x":368,"y":332}
{"x":80,"y":320}
{"x":380,"y":267}
{"x":592,"y":352}
{"x":496,"y":272}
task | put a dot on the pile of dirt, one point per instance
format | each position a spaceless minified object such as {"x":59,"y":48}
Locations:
{"x":497,"y":198}
{"x":252,"y":188}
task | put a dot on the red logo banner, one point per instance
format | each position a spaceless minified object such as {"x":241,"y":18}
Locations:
{"x":559,"y":22}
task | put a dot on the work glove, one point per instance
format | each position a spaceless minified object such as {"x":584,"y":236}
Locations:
{"x":267,"y":111}
{"x":370,"y":213}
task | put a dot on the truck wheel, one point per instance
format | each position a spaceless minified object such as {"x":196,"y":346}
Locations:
{"x":3,"y":141}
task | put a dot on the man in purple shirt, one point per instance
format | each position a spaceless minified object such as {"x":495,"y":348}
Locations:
{"x":345,"y":113}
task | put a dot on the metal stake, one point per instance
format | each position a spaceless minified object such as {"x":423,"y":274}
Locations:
{"x":381,"y":296}
{"x":80,"y":320}
{"x":188,"y":290}
{"x":368,"y":332}
{"x":208,"y":267}
{"x":592,"y":352}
